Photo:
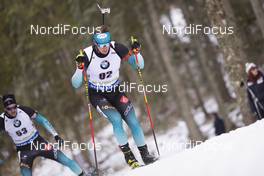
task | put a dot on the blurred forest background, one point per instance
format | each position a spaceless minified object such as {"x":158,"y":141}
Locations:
{"x":197,"y":68}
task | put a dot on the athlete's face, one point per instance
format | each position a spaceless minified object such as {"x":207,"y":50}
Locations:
{"x":104,"y":49}
{"x":11,"y":110}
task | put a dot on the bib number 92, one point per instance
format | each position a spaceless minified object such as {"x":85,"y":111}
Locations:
{"x":105,"y":75}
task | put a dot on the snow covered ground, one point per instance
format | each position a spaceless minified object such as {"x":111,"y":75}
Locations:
{"x":240,"y":152}
{"x":171,"y":141}
{"x":173,"y":144}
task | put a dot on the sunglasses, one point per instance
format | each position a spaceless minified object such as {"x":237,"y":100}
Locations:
{"x":11,"y":108}
{"x":103,"y":45}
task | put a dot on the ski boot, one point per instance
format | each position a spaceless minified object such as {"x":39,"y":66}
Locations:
{"x":146,"y":156}
{"x":129,"y":156}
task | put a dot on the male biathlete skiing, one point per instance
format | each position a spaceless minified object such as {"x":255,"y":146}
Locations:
{"x":17,"y":121}
{"x":101,"y":62}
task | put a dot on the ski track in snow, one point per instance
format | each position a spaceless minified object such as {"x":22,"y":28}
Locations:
{"x":237,"y":153}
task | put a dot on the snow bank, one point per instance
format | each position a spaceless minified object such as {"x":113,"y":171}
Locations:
{"x":240,"y":152}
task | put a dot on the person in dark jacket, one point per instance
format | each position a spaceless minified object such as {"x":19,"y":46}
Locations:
{"x":218,"y":124}
{"x":255,"y":90}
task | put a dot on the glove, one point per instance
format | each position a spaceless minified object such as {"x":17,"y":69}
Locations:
{"x":80,"y":59}
{"x":59,"y":140}
{"x":135,"y":45}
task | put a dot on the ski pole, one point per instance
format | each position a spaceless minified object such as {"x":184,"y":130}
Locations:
{"x":135,"y":51}
{"x":103,"y":12}
{"x":90,"y":118}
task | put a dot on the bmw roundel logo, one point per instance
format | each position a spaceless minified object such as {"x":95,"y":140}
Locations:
{"x":105,"y":64}
{"x":17,"y":123}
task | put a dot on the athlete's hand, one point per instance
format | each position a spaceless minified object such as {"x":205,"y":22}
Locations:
{"x":59,"y":140}
{"x":80,"y":58}
{"x":79,"y":65}
{"x":135,"y":45}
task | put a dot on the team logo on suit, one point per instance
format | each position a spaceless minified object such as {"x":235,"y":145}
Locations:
{"x":17,"y":123}
{"x":105,"y":64}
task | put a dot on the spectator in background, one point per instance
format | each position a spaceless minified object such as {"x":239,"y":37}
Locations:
{"x":219,"y":124}
{"x":255,"y":90}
